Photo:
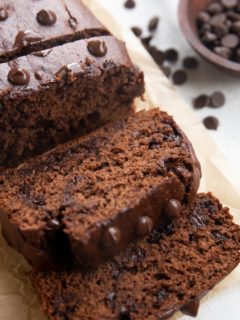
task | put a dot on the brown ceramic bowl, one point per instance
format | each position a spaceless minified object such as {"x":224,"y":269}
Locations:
{"x":187,"y":14}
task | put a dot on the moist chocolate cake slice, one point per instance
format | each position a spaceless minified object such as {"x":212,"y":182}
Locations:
{"x":99,"y":192}
{"x":52,"y":96}
{"x":37,"y":25}
{"x":169,"y":271}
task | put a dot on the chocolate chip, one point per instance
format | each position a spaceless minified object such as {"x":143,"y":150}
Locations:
{"x":209,"y":37}
{"x":54,"y":224}
{"x":129,"y":4}
{"x":97,"y":48}
{"x":218,"y":19}
{"x":46,"y":17}
{"x":201,"y":101}
{"x":166,"y":70}
{"x":191,"y":309}
{"x":173,"y":209}
{"x":203,"y":17}
{"x":223,"y":52}
{"x":19,"y":76}
{"x":230,"y":40}
{"x":137,"y":31}
{"x":146,"y":41}
{"x":236,"y":27}
{"x":69,"y":71}
{"x":153,"y":24}
{"x":217,"y":100}
{"x":229,"y":4}
{"x":220,"y":30}
{"x":111,"y":237}
{"x":26,"y":37}
{"x":214,"y":8}
{"x":144,"y":226}
{"x":211,"y":123}
{"x":190,"y":63}
{"x":3,"y":14}
{"x":171,"y":55}
{"x":37,"y":75}
{"x":234,"y":16}
{"x":42,"y":54}
{"x":158,"y":55}
{"x":179,"y":77}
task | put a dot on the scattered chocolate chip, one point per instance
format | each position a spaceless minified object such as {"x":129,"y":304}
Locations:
{"x":201,"y":101}
{"x":3,"y":14}
{"x":172,"y":210}
{"x":191,"y":309}
{"x":97,"y":48}
{"x":46,"y":17}
{"x":129,"y":4}
{"x":144,"y":226}
{"x":223,"y":52}
{"x":217,"y":99}
{"x":19,"y":76}
{"x":166,"y":70}
{"x":146,"y":41}
{"x":234,"y":16}
{"x":111,"y":237}
{"x":171,"y":55}
{"x":153,"y":24}
{"x":229,"y":4}
{"x":137,"y":31}
{"x":190,"y":63}
{"x":37,"y":75}
{"x":54,"y":224}
{"x":179,"y":77}
{"x":25,"y":38}
{"x":158,"y":55}
{"x":42,"y":54}
{"x":230,"y":41}
{"x":211,"y":123}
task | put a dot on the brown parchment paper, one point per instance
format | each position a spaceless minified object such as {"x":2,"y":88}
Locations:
{"x":18,"y":300}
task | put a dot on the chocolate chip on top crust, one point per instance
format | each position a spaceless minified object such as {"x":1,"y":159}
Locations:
{"x":97,"y":48}
{"x":19,"y":76}
{"x":144,"y":226}
{"x":25,"y":38}
{"x":46,"y":17}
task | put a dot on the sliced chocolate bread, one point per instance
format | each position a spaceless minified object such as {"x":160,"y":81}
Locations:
{"x":38,"y":25}
{"x":169,"y":271}
{"x":52,"y":96}
{"x":98,"y":193}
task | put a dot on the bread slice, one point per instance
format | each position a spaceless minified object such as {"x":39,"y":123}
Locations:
{"x":95,"y":195}
{"x":169,"y":271}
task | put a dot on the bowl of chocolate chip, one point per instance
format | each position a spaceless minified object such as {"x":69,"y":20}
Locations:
{"x":213,"y":29}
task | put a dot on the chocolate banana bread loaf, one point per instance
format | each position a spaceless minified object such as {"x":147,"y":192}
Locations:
{"x":169,"y":271}
{"x":52,"y":96}
{"x":98,"y":193}
{"x":36,"y":25}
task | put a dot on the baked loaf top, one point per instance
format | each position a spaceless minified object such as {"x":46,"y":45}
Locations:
{"x":95,"y":188}
{"x":36,"y":25}
{"x":61,"y":65}
{"x":169,"y":271}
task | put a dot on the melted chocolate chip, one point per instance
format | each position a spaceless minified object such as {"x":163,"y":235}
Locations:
{"x":111,"y":237}
{"x":173,"y":209}
{"x":53,"y":224}
{"x":46,"y":17}
{"x":144,"y":226}
{"x":191,"y":309}
{"x":3,"y":14}
{"x":26,"y":37}
{"x":97,"y":48}
{"x":70,"y":70}
{"x":19,"y":76}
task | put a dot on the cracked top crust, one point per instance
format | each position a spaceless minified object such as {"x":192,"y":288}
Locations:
{"x":73,"y":21}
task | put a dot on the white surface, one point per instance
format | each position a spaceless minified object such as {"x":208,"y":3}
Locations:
{"x":206,"y":80}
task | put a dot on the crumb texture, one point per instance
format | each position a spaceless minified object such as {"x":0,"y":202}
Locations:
{"x":153,"y":278}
